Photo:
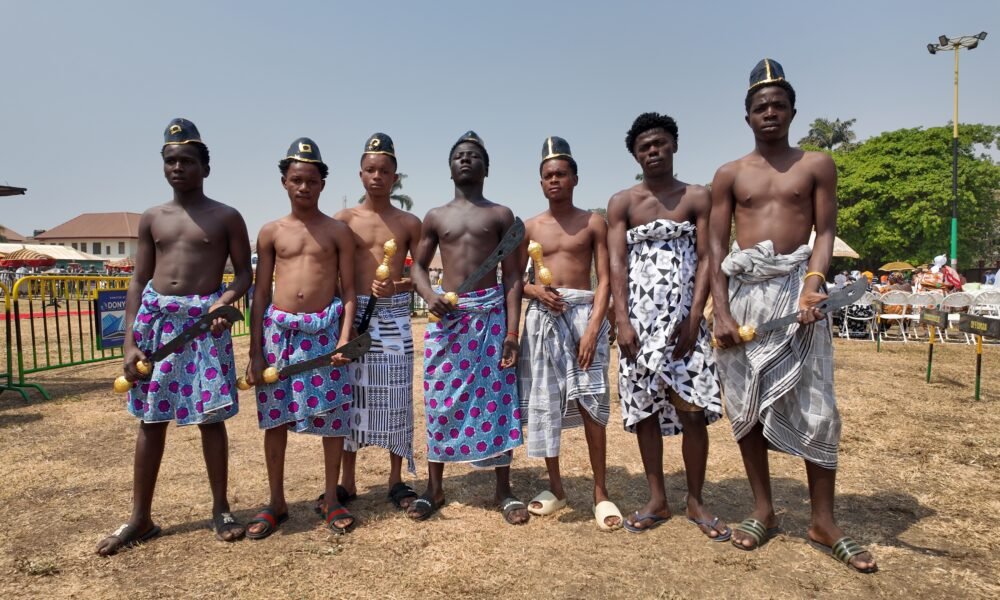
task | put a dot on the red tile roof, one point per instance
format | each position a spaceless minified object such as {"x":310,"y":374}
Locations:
{"x":96,"y":225}
{"x":10,"y":235}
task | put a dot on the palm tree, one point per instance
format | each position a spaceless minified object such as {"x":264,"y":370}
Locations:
{"x":404,"y":201}
{"x":826,"y":134}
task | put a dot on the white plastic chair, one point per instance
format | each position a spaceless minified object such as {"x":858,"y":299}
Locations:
{"x":919,"y":301}
{"x":894,"y":298}
{"x":868,"y":299}
{"x":952,"y":304}
{"x":986,"y":303}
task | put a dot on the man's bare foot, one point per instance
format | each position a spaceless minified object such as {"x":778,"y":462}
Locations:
{"x":831,"y":539}
{"x":650,"y":516}
{"x":755,"y":530}
{"x":709,"y":524}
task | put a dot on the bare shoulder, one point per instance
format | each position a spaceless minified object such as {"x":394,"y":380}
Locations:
{"x":817,"y":160}
{"x":404,"y":218}
{"x":698,"y":196}
{"x":596,"y":222}
{"x":344,"y":214}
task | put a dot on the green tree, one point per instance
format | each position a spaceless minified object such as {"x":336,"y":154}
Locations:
{"x":895,"y":194}
{"x":826,"y":134}
{"x":404,"y":201}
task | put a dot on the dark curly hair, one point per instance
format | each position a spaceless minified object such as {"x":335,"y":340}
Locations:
{"x":644,"y":123}
{"x":782,"y":84}
{"x":284,"y":164}
{"x":203,"y":156}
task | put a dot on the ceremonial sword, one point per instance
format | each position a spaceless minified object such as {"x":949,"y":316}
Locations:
{"x":508,"y":243}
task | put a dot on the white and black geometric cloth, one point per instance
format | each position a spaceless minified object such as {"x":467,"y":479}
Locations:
{"x":382,"y":410}
{"x":782,"y":379}
{"x":662,"y":265}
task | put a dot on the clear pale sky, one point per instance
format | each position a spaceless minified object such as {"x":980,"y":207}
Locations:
{"x":86,"y":89}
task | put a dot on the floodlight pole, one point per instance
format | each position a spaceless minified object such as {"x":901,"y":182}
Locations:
{"x":955,"y":44}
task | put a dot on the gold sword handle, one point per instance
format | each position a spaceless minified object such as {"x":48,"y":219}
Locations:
{"x":747,"y":333}
{"x":382,"y":272}
{"x":542,"y":274}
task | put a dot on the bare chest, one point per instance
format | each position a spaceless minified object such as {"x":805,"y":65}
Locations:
{"x":758,"y":187}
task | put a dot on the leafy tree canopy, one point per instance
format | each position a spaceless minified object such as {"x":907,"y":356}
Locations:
{"x":895,"y":194}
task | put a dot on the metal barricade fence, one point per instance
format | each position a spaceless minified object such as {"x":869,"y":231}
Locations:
{"x":54,"y":324}
{"x":6,"y":356}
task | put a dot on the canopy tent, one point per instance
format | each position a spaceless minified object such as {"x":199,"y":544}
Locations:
{"x":898,"y":265}
{"x":125,"y":265}
{"x":840,"y":247}
{"x":26,"y":258}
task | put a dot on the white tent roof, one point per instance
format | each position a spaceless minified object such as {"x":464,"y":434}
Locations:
{"x":56,"y":252}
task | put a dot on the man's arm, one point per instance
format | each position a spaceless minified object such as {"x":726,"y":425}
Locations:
{"x":602,"y":293}
{"x":344,"y":238}
{"x":725,"y":329}
{"x":413,"y":225}
{"x":825,"y":216}
{"x":239,"y":254}
{"x":145,"y":264}
{"x":261,"y":300}
{"x":426,"y":248}
{"x":618,"y":258}
{"x":687,"y":335}
{"x":513,"y":287}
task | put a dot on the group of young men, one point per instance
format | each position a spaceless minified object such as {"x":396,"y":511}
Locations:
{"x":655,"y":261}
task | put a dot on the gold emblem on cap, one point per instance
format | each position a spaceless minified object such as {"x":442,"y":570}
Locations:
{"x":305,"y":147}
{"x":175,"y":129}
{"x":374,"y":144}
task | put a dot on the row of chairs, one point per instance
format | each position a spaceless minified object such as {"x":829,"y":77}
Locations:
{"x":903,"y":309}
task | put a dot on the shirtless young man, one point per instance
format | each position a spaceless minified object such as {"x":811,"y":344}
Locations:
{"x":382,"y":414}
{"x":305,"y":254}
{"x":658,"y":242}
{"x":182,"y":253}
{"x":779,"y":386}
{"x":563,"y":369}
{"x":470,"y":385}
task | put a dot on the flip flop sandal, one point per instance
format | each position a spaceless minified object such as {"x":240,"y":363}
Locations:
{"x":338,"y":513}
{"x":844,"y":550}
{"x":724,"y":534}
{"x":605,"y":509}
{"x":343,"y":497}
{"x":422,"y":508}
{"x":269,"y":519}
{"x":758,"y":532}
{"x":224,"y":522}
{"x":128,"y":537}
{"x":549,"y":502}
{"x":400,"y":492}
{"x":633,"y":527}
{"x":508,"y":506}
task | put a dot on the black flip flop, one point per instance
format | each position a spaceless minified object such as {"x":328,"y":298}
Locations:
{"x":343,"y":497}
{"x":423,"y":507}
{"x":224,"y":522}
{"x":129,"y":537}
{"x":267,"y":517}
{"x":400,"y":492}
{"x":509,"y":505}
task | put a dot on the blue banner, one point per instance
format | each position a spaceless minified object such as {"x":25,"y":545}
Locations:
{"x":109,"y":318}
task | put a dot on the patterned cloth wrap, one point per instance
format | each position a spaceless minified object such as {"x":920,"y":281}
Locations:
{"x":316,"y":401}
{"x":552,"y":385}
{"x":782,"y":379}
{"x":662,"y":263}
{"x":197,"y":383}
{"x":473,"y":414}
{"x":382,"y":410}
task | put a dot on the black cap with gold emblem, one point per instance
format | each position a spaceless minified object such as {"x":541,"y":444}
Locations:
{"x":304,"y":150}
{"x":766,"y":72}
{"x":472,"y":137}
{"x":181,"y":131}
{"x":556,"y":147}
{"x":380,"y":143}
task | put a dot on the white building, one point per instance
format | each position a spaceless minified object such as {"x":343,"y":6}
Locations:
{"x":109,"y":236}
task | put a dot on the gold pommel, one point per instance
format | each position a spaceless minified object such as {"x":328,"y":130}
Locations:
{"x":122,"y":385}
{"x":242,"y":384}
{"x":270,"y":375}
{"x":143,"y":367}
{"x":542,"y":273}
{"x":389,"y":248}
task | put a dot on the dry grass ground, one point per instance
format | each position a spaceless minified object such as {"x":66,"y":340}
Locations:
{"x":918,"y":485}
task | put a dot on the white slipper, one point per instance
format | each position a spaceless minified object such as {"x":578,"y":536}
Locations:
{"x":549,"y":502}
{"x":605,"y":509}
